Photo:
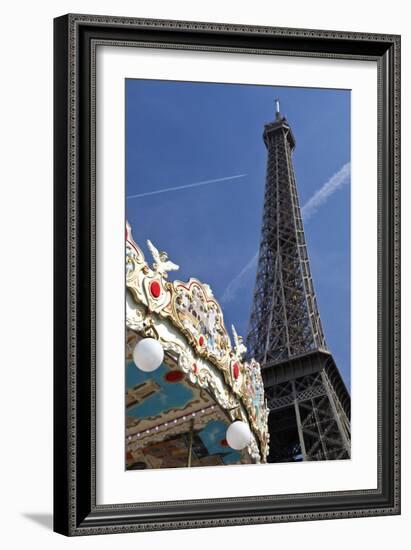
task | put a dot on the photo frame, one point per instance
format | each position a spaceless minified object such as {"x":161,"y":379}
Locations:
{"x":77,"y":235}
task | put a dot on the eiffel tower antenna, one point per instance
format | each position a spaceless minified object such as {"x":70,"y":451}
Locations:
{"x":309,"y":403}
{"x":277,"y":109}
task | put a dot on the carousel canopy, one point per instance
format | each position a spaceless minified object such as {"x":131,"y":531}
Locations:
{"x":191,"y":399}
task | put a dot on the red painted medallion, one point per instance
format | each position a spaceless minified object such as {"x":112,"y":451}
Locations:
{"x":224,"y":443}
{"x":201,"y":340}
{"x":195,"y":367}
{"x":236,"y":370}
{"x":173,"y":376}
{"x":155,"y":289}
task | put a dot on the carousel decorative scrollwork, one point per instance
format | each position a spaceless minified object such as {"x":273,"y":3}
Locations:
{"x":189,"y":324}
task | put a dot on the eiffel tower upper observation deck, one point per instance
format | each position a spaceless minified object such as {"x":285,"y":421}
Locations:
{"x":310,"y":406}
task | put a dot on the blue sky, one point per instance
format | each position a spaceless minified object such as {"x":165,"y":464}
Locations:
{"x":180,"y":133}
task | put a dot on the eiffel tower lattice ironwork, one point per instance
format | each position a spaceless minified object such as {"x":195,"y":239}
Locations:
{"x":309,"y":403}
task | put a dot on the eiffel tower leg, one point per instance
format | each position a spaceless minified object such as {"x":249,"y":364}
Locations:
{"x":344,"y":439}
{"x":307,"y":420}
{"x":319,"y":430}
{"x":325,"y":438}
{"x":299,"y":426}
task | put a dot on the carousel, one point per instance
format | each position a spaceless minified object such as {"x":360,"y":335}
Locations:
{"x":191,"y":398}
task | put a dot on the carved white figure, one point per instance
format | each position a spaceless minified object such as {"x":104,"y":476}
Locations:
{"x":161,"y":263}
{"x":239,"y":347}
{"x":256,"y":391}
{"x":197,"y":301}
{"x":211,"y":320}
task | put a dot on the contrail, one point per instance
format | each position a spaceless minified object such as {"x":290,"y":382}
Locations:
{"x":336,"y":181}
{"x":308,"y":210}
{"x":177,"y":188}
{"x":235,"y":284}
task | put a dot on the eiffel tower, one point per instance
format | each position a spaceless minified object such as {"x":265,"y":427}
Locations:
{"x":309,"y":404}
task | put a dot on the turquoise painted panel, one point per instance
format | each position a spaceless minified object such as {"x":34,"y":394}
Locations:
{"x":170,"y":395}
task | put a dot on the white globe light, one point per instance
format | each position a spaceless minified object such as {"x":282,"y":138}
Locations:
{"x":148,"y":354}
{"x":238,"y":435}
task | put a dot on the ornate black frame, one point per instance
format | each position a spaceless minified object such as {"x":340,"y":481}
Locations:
{"x":75,"y":40}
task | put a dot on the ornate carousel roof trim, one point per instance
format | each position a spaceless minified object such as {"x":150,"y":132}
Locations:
{"x":190,"y":309}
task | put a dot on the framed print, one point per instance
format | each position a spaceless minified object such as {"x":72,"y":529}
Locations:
{"x":226,"y":275}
